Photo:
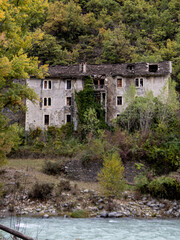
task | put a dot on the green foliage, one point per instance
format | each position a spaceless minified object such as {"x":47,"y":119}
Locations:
{"x":163,"y":151}
{"x":79,"y":214}
{"x":145,"y":113}
{"x":111,"y":31}
{"x":142,"y":182}
{"x":17,"y":34}
{"x":90,"y":111}
{"x":111,"y":177}
{"x":53,"y":167}
{"x":164,"y":187}
{"x":41,"y":191}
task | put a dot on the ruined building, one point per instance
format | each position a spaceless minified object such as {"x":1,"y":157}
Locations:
{"x":57,"y":92}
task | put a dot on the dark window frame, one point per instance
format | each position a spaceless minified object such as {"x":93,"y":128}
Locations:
{"x":119,"y":82}
{"x":46,"y":120}
{"x":68,"y":118}
{"x":119,"y":100}
{"x":68,"y":84}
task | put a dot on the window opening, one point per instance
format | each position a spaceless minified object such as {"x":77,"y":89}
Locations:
{"x":137,"y":82}
{"x":69,"y":101}
{"x":47,"y":84}
{"x":141,"y":82}
{"x":119,"y":82}
{"x":130,"y":67}
{"x":119,"y":100}
{"x":153,"y":68}
{"x":46,"y":120}
{"x":49,"y":101}
{"x":101,"y":83}
{"x":45,"y":101}
{"x":68,"y":84}
{"x":68,"y":118}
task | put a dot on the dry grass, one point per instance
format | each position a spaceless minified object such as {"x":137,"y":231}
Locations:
{"x":32,"y":172}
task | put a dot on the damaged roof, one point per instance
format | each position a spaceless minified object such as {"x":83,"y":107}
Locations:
{"x":124,"y":70}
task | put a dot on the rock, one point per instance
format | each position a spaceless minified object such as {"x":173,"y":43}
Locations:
{"x":100,"y":207}
{"x":86,"y":191}
{"x":112,"y":214}
{"x":104,"y":214}
{"x":38,"y":209}
{"x":46,"y":216}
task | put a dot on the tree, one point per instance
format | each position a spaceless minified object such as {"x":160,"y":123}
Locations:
{"x":111,"y":177}
{"x":17,"y":35}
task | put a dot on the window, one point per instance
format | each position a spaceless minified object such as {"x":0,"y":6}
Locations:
{"x":68,"y":118}
{"x":119,"y":100}
{"x":69,"y":101}
{"x":153,"y":68}
{"x":130,"y":67}
{"x":68,"y":86}
{"x":46,"y":120}
{"x":47,"y":84}
{"x":47,"y":101}
{"x":139,"y":82}
{"x":119,"y":82}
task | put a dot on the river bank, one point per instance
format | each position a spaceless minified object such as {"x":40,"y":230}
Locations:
{"x":88,"y":203}
{"x":72,"y":198}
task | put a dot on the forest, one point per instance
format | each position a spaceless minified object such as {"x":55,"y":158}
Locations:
{"x":38,"y":33}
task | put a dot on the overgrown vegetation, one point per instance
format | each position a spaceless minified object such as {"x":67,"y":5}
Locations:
{"x":161,"y":187}
{"x":101,"y":31}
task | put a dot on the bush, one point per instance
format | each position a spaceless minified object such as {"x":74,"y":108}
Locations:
{"x":164,"y":187}
{"x":63,"y":185}
{"x":111,"y":177}
{"x":79,"y":214}
{"x":53,"y":168}
{"x":142,"y":182}
{"x":41,"y":191}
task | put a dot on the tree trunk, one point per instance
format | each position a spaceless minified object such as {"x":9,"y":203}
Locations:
{"x":15,"y":233}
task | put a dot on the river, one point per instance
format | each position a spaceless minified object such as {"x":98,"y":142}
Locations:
{"x":95,"y":229}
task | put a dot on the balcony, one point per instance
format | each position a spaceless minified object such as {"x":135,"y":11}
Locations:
{"x":100,"y":87}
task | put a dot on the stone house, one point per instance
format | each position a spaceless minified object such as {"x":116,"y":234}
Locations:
{"x":57,"y":104}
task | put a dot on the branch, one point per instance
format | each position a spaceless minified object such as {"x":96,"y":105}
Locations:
{"x":15,"y":233}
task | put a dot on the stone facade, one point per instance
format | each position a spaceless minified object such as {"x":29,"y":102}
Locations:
{"x":57,"y":104}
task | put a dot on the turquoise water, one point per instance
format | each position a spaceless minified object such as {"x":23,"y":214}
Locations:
{"x":96,"y":229}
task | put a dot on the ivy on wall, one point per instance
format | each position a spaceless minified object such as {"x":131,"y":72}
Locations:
{"x":86,"y":100}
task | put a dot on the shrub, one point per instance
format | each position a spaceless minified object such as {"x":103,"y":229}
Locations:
{"x":63,"y":185}
{"x":41,"y":191}
{"x":53,"y":168}
{"x":79,"y":214}
{"x":164,"y":187}
{"x":111,"y":177}
{"x":33,"y":134}
{"x":142,"y":182}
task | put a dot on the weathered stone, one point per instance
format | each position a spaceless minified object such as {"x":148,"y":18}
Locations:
{"x":104,"y":214}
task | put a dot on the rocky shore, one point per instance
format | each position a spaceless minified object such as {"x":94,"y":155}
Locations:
{"x":92,"y":203}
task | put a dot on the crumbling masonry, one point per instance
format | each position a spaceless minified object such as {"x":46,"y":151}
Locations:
{"x":57,"y":104}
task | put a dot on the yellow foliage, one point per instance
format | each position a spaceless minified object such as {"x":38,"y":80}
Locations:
{"x":111,"y":177}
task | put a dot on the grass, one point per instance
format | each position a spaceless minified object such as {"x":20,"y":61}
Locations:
{"x":33,"y":170}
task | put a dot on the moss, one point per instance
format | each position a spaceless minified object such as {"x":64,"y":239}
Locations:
{"x":79,"y":214}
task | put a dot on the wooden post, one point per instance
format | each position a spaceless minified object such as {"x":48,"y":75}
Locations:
{"x":15,"y":233}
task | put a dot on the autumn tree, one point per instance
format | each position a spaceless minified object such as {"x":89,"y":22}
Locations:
{"x":17,"y":34}
{"x":111,"y":177}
